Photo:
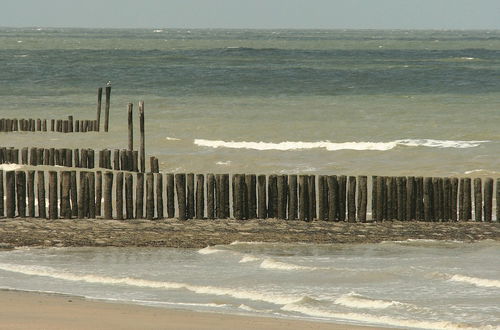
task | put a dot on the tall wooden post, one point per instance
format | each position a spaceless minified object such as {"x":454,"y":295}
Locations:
{"x":108,"y":192}
{"x":106,"y":109}
{"x":99,"y":102}
{"x":130,"y":127}
{"x":143,"y":142}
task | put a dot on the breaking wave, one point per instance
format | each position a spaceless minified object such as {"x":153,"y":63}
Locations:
{"x":334,"y":146}
{"x":269,"y":263}
{"x":354,"y":300}
{"x":476,"y":281}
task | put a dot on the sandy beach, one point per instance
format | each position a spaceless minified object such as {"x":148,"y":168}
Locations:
{"x":27,"y":310}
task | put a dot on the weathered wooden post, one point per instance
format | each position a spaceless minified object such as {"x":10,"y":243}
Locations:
{"x":130,"y":107}
{"x":488,"y":199}
{"x":119,"y":195}
{"x":351,"y":199}
{"x":143,"y":141}
{"x":497,"y":197}
{"x":312,"y":196}
{"x":225,"y":195}
{"x":139,"y":196}
{"x":106,"y":109}
{"x":322,"y":198}
{"x":170,"y":196}
{"x":478,"y":200}
{"x":211,"y":196}
{"x":31,"y":193}
{"x":116,"y":159}
{"x":150,"y":201}
{"x":73,"y":194}
{"x":82,"y":196}
{"x":262,"y":197}
{"x":1,"y":195}
{"x":251,"y":182}
{"x":272,"y":195}
{"x":190,"y":208}
{"x":238,"y":182}
{"x":108,"y":191}
{"x":159,"y":195}
{"x":467,"y":199}
{"x":129,"y":196}
{"x":40,"y":185}
{"x":65,"y":194}
{"x":10,"y":196}
{"x":98,"y":193}
{"x":200,"y":196}
{"x":453,"y":198}
{"x":99,"y":102}
{"x":293,"y":204}
{"x":282,"y":192}
{"x":180,"y":186}
{"x":362,"y":197}
{"x":53,"y":212}
{"x":304,"y":198}
{"x":21,"y":193}
{"x":332,"y":183}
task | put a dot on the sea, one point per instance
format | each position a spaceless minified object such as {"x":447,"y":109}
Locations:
{"x":352,"y":102}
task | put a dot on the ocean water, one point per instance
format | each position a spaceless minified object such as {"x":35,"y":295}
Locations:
{"x":409,"y":284}
{"x":269,"y":101}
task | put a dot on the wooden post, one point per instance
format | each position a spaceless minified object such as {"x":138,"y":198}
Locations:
{"x":488,"y":199}
{"x":170,"y":196}
{"x":238,"y":182}
{"x":312,"y":197}
{"x":211,"y":196}
{"x":130,"y":108}
{"x":272,"y":193}
{"x":73,"y":194}
{"x":478,"y":200}
{"x":391,"y":197}
{"x":106,"y":109}
{"x":10,"y":196}
{"x":1,"y":194}
{"x":190,"y":208}
{"x":40,"y":185}
{"x":447,"y":198}
{"x":419,"y":204}
{"x":351,"y":199}
{"x":250,"y":183}
{"x":91,"y":195}
{"x":65,"y":194}
{"x":143,"y":141}
{"x":225,"y":195}
{"x":427,"y":197}
{"x":116,"y":159}
{"x":374,"y":196}
{"x":99,"y":102}
{"x":453,"y":201}
{"x":322,"y":198}
{"x":129,"y":195}
{"x":31,"y":193}
{"x":159,"y":195}
{"x":24,"y":156}
{"x":333,"y":197}
{"x":380,"y":199}
{"x":180,"y":186}
{"x":98,"y":193}
{"x":108,"y":191}
{"x":467,"y":199}
{"x":342,"y":181}
{"x":262,"y":197}
{"x":21,"y":193}
{"x":139,"y":196}
{"x":362,"y":197}
{"x":497,"y":198}
{"x":410,"y":198}
{"x":292,"y":197}
{"x":82,"y":196}
{"x":200,"y":196}
{"x":150,"y":199}
{"x":53,"y":212}
{"x":304,"y":198}
{"x":282,"y":192}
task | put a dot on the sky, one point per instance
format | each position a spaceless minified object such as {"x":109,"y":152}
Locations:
{"x":271,"y":14}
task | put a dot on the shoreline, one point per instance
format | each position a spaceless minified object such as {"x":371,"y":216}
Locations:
{"x":28,"y":232}
{"x":59,"y":311}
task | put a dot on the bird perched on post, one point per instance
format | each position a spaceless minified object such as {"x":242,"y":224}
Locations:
{"x":108,"y":83}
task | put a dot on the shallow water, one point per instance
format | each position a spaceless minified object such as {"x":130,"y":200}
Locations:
{"x":346,"y":102}
{"x":411,"y":284}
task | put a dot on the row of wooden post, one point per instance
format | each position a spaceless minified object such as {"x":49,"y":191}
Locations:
{"x":40,"y":125}
{"x":126,"y":195}
{"x":124,"y":160}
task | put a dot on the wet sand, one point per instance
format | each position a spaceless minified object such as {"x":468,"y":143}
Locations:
{"x":30,"y":311}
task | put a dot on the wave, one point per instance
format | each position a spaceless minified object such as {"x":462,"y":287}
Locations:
{"x":248,"y":258}
{"x":269,"y":263}
{"x":476,"y":281}
{"x":375,"y":319}
{"x":335,"y":146}
{"x":239,"y":293}
{"x":209,"y":250}
{"x":354,"y":300}
{"x":169,"y":138}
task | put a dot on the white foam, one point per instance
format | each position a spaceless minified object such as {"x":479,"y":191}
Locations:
{"x":168,"y":138}
{"x":248,"y":258}
{"x":209,"y":250}
{"x":10,"y":167}
{"x":224,"y":163}
{"x":335,"y":146}
{"x":157,"y":30}
{"x":373,"y":319}
{"x":269,"y":263}
{"x":476,"y":281}
{"x":354,"y":300}
{"x":279,"y":299}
